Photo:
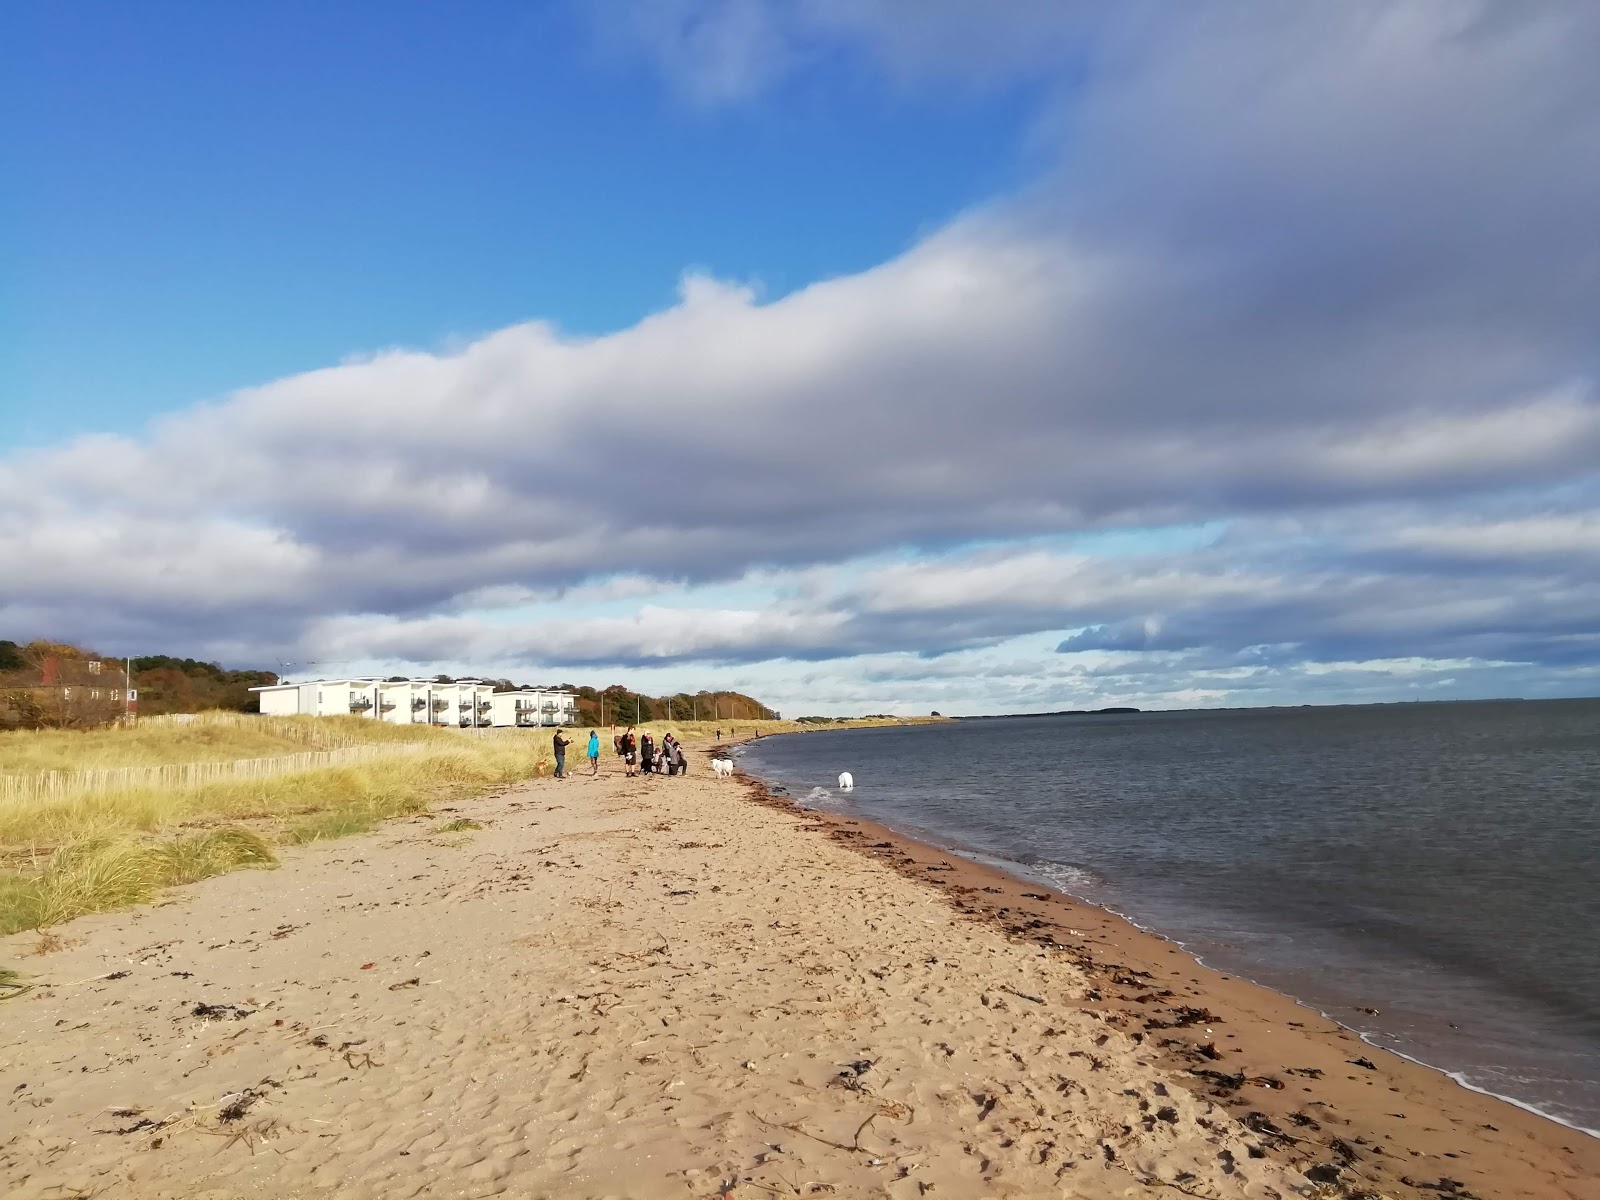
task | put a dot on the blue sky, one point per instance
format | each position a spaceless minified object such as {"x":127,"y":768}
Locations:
{"x":880,"y":356}
{"x":213,"y":196}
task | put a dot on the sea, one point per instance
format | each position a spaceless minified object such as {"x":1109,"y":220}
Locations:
{"x":1438,"y":863}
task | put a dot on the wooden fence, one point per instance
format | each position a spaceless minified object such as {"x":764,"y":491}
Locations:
{"x":46,"y":785}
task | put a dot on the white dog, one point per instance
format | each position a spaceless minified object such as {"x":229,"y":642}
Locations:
{"x":846,"y":781}
{"x":722,"y":766}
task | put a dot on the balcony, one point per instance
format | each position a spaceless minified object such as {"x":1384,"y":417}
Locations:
{"x":360,"y":704}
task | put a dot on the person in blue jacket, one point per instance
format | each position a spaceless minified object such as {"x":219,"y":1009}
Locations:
{"x":594,"y":752}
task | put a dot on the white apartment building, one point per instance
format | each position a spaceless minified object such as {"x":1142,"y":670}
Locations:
{"x":533,"y":706}
{"x":466,"y":703}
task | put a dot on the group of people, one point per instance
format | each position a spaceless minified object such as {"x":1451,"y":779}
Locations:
{"x":638,"y":754}
{"x":641,"y":754}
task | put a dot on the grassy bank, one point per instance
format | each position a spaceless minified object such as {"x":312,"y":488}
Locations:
{"x":208,"y":737}
{"x":87,"y":852}
{"x":90,"y":851}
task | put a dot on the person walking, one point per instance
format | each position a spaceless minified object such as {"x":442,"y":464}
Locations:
{"x":559,"y":743}
{"x":594,"y":752}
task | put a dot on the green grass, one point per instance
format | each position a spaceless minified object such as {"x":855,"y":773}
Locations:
{"x":94,"y":876}
{"x":459,"y":825}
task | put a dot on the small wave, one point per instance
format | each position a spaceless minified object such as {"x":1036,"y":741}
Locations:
{"x":820,"y":797}
{"x":1066,"y":876}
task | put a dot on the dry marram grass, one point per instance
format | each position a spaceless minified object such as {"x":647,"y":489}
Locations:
{"x":71,"y":853}
{"x":75,"y":850}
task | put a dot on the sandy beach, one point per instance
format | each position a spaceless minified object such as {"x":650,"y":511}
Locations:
{"x":685,"y":987}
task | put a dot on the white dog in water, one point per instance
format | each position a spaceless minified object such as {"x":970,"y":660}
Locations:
{"x":846,"y":781}
{"x":722,"y":766}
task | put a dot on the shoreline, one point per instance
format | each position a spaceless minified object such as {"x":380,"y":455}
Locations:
{"x":608,"y":987}
{"x":1452,"y":1131}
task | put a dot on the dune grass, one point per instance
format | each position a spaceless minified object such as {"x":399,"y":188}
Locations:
{"x":209,"y":737}
{"x":89,"y":852}
{"x":79,"y":853}
{"x":94,"y":876}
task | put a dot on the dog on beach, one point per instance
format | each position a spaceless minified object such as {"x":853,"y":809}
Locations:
{"x":722,"y":766}
{"x":846,"y":781}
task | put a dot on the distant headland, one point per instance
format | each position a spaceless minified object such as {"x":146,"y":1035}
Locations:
{"x":1064,"y":712}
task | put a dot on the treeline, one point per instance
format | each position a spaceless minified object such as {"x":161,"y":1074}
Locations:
{"x":616,"y":705}
{"x":183,"y":685}
{"x":56,"y":685}
{"x":186,"y":685}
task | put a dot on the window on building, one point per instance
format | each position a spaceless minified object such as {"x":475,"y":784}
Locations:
{"x":94,"y":667}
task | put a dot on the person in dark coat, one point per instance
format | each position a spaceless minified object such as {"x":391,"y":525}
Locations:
{"x":629,"y":748}
{"x":559,"y":744}
{"x":647,"y":753}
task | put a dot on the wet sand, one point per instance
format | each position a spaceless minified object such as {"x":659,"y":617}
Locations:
{"x":1321,"y":1099}
{"x":657,"y":987}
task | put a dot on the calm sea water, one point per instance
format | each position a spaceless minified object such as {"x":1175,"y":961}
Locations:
{"x":1437,"y":862}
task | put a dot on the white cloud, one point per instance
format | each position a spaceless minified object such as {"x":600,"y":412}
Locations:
{"x":1302,"y":267}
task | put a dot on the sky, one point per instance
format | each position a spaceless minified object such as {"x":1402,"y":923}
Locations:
{"x":863,"y":355}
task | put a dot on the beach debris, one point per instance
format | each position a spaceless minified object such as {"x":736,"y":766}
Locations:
{"x":140,"y":1126}
{"x":220,"y":1012}
{"x":1445,"y":1186}
{"x":1021,"y":995}
{"x":1220,"y":1080}
{"x":1371,"y":1012}
{"x":1182,"y":1017}
{"x":236,"y":1104}
{"x":1037,"y":895}
{"x":118,"y":975}
{"x":1258,"y":1122}
{"x":11,"y":985}
{"x":1362,"y":1062}
{"x":368,"y":966}
{"x":850,"y":1077}
{"x":414,"y":981}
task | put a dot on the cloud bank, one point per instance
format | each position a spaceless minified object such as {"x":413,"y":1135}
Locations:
{"x":1322,"y":279}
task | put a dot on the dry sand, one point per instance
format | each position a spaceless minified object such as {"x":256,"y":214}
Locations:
{"x":655,"y":987}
